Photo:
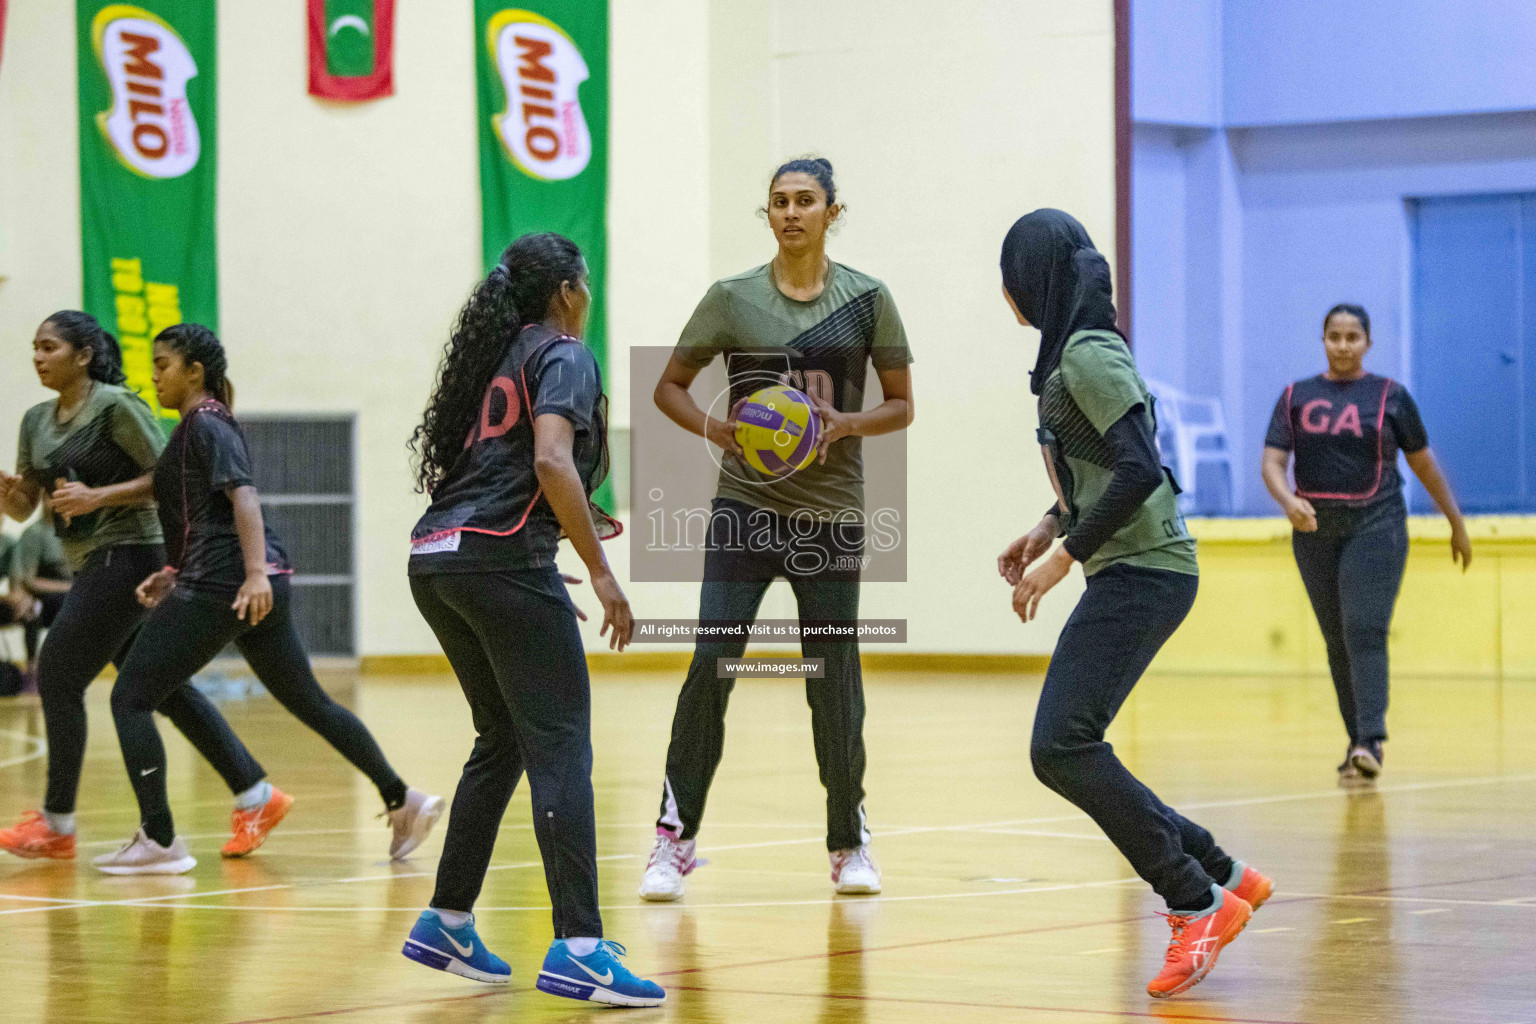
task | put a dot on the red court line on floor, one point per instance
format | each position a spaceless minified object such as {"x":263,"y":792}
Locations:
{"x":1140,"y":1014}
{"x":829,"y":954}
{"x":312,"y":1014}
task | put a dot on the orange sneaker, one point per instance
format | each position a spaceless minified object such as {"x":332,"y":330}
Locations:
{"x":1253,"y":888}
{"x":252,"y":827}
{"x":1196,"y":943}
{"x":32,"y":837}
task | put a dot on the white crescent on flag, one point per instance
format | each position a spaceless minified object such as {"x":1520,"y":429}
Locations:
{"x":349,"y":21}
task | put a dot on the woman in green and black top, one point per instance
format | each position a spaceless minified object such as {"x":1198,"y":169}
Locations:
{"x":803,"y":320}
{"x":89,"y":455}
{"x":1119,"y":511}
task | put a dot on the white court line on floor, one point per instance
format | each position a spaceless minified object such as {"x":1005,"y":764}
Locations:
{"x":1038,"y":832}
{"x":37,"y":743}
{"x":1372,"y":898}
{"x":886,"y":834}
{"x":44,"y":899}
{"x":660,"y":907}
{"x":1431,"y":910}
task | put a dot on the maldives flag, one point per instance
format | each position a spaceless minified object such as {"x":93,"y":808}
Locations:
{"x":351,"y":49}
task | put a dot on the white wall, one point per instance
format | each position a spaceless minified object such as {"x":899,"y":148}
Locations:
{"x":348,"y":236}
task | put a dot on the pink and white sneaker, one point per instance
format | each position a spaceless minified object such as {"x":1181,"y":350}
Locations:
{"x":671,"y":859}
{"x":854,"y":872}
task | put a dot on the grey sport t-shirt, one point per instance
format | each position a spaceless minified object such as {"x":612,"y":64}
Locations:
{"x":823,"y":347}
{"x":1096,"y":384}
{"x":111,"y":439}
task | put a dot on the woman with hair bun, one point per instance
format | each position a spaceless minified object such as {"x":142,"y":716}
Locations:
{"x":1350,"y":523}
{"x":817,"y":325}
{"x":226,"y":581}
{"x":88,"y":456}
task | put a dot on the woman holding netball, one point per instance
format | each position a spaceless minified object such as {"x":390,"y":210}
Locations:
{"x":1117,"y":507}
{"x":1350,"y":523}
{"x":89,"y":456}
{"x":823,"y":323}
{"x":514,"y":442}
{"x":226,"y":581}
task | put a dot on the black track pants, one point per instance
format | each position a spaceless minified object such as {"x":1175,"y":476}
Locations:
{"x":98,"y":618}
{"x":187,"y":631}
{"x":515,"y":648}
{"x":736,"y":576}
{"x":1119,"y":625}
{"x":1352,"y":579}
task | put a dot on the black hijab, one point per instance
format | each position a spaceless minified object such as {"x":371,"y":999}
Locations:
{"x":1059,"y":281}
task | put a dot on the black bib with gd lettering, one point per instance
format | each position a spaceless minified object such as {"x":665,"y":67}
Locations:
{"x":490,"y":513}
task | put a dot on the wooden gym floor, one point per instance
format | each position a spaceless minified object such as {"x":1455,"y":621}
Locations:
{"x":1415,"y":902}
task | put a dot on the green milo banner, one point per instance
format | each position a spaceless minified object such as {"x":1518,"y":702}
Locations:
{"x":542,"y":88}
{"x":147,"y":170}
{"x":541,"y":85}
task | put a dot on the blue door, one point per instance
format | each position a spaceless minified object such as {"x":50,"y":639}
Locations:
{"x":1473,"y":328}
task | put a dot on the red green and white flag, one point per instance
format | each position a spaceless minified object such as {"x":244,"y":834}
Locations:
{"x":351,"y":49}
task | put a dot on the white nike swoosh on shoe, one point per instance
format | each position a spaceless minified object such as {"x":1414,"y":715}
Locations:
{"x":601,"y":979}
{"x":468,"y":950}
{"x":149,"y":771}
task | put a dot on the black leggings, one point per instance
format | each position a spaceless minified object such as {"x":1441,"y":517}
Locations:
{"x":95,"y":624}
{"x":188,"y":629}
{"x":1119,"y":625}
{"x":736,"y":576}
{"x":1352,"y":579}
{"x":514,"y":646}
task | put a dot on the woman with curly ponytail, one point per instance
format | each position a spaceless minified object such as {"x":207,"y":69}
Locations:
{"x":225,"y":581}
{"x":512,"y":446}
{"x":89,"y":456}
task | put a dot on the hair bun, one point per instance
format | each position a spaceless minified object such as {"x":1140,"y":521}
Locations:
{"x":823,"y":161}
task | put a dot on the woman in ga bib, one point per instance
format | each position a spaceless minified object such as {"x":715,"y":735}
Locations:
{"x":513,"y":443}
{"x":818,"y":325}
{"x":1345,"y":427}
{"x":1118,"y":509}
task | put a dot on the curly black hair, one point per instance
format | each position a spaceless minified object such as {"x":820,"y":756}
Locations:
{"x":81,"y":330}
{"x":516,"y":293}
{"x":197,"y":344}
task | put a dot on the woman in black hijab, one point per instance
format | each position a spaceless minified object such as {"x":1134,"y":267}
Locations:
{"x":1118,"y":509}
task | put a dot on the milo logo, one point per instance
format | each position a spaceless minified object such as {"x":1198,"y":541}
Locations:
{"x":150,"y":122}
{"x":543,"y":129}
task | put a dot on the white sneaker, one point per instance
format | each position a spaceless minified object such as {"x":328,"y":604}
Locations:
{"x":412,"y":821}
{"x":141,"y":855}
{"x":854,"y":872}
{"x":671,"y":859}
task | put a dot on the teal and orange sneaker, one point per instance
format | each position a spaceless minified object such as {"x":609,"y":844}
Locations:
{"x":1249,"y":886}
{"x":1197,"y":941}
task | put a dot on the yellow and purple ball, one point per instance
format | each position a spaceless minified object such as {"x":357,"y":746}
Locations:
{"x":778,"y":429}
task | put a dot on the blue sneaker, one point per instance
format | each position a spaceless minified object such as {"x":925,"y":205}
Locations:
{"x":455,"y":950}
{"x":597,"y":976}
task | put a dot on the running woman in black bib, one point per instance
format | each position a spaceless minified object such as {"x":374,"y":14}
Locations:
{"x":514,"y":442}
{"x":88,"y":456}
{"x":1346,"y":427}
{"x":226,"y":581}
